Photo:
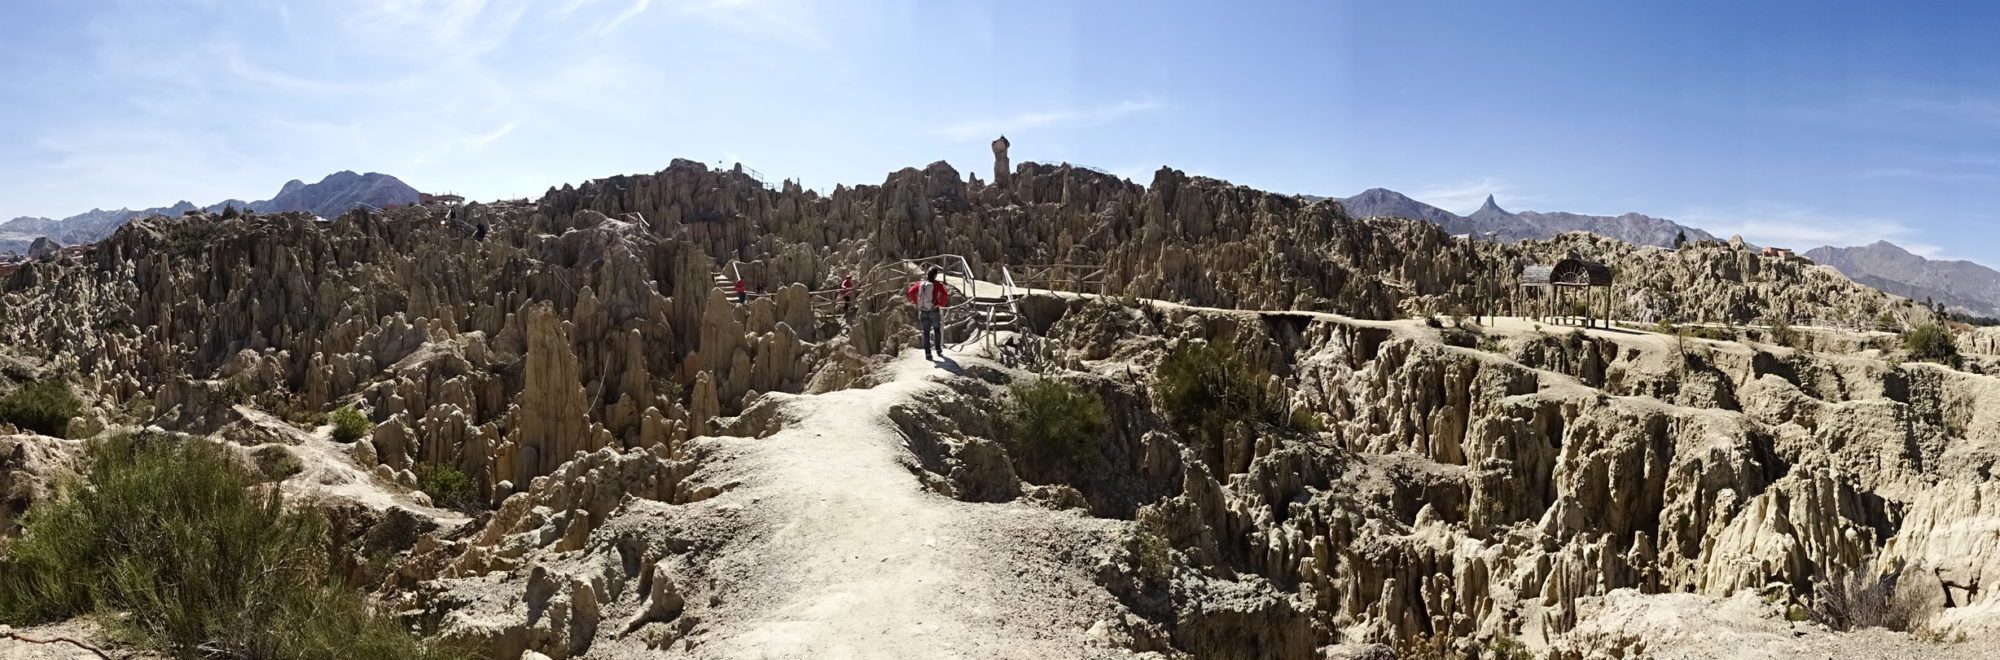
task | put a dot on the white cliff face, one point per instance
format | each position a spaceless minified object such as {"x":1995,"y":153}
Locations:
{"x":636,"y":438}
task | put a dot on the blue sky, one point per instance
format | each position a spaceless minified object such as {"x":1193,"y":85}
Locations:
{"x":1794,"y":124}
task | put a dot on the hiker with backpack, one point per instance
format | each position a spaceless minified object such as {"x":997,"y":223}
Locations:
{"x":930,"y":297}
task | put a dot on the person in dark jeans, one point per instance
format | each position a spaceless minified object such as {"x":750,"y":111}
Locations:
{"x":929,"y":297}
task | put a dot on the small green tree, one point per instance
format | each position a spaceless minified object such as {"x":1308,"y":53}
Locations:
{"x":349,"y":425}
{"x":44,"y":406}
{"x":1931,"y":342}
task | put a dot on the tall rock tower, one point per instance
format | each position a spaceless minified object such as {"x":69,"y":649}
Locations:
{"x":1001,"y":169}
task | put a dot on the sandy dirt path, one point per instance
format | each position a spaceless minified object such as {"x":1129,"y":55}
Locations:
{"x":855,"y":559}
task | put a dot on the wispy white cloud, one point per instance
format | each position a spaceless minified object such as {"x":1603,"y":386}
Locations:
{"x":1905,"y":173}
{"x":568,"y":8}
{"x":233,"y":61}
{"x":434,"y":31}
{"x":428,"y":89}
{"x":795,"y":22}
{"x":1769,"y":223}
{"x":1941,"y":168}
{"x":492,"y":137}
{"x":1068,"y":118}
{"x":638,"y":7}
{"x":1981,"y":111}
{"x":1464,"y":197}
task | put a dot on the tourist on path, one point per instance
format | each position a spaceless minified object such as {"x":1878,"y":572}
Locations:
{"x":742,"y":291}
{"x":930,"y":298}
{"x":847,"y":293}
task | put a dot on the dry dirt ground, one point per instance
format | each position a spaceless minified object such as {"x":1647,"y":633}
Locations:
{"x":853,"y":558}
{"x":845,"y":554}
{"x":46,"y":647}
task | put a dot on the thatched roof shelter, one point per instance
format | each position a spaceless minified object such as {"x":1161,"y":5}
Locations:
{"x":1568,"y":272}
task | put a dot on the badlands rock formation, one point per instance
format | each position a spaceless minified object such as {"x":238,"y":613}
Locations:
{"x":660,"y":469}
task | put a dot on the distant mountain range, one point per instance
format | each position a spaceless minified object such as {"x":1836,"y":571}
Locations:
{"x":336,"y":194}
{"x":1494,"y":223}
{"x":1886,"y":266}
{"x":1963,"y":285}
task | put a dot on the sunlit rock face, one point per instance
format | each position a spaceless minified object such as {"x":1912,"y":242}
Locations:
{"x":606,"y":402}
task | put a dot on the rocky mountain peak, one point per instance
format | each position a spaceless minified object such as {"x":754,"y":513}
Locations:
{"x":1491,"y":211}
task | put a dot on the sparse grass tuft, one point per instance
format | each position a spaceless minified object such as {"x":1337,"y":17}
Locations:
{"x":44,"y":406}
{"x":349,"y":425}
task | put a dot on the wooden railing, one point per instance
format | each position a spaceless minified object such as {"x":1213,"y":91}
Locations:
{"x":1073,"y":278}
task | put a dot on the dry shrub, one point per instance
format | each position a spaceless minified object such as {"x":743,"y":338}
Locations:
{"x":1868,"y":596}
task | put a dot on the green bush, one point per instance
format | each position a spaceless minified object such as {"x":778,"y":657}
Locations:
{"x":1052,"y":422}
{"x":1714,"y":333}
{"x":197,"y":560}
{"x":1782,"y":334}
{"x":44,"y":407}
{"x":448,"y":486}
{"x":1932,"y":343}
{"x":1204,"y":390}
{"x":1508,"y":648}
{"x":349,"y":425}
{"x":276,"y":463}
{"x":1153,"y":551}
{"x":137,"y":410}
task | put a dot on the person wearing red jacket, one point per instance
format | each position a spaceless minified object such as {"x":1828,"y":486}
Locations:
{"x":742,"y":291}
{"x":930,"y":298}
